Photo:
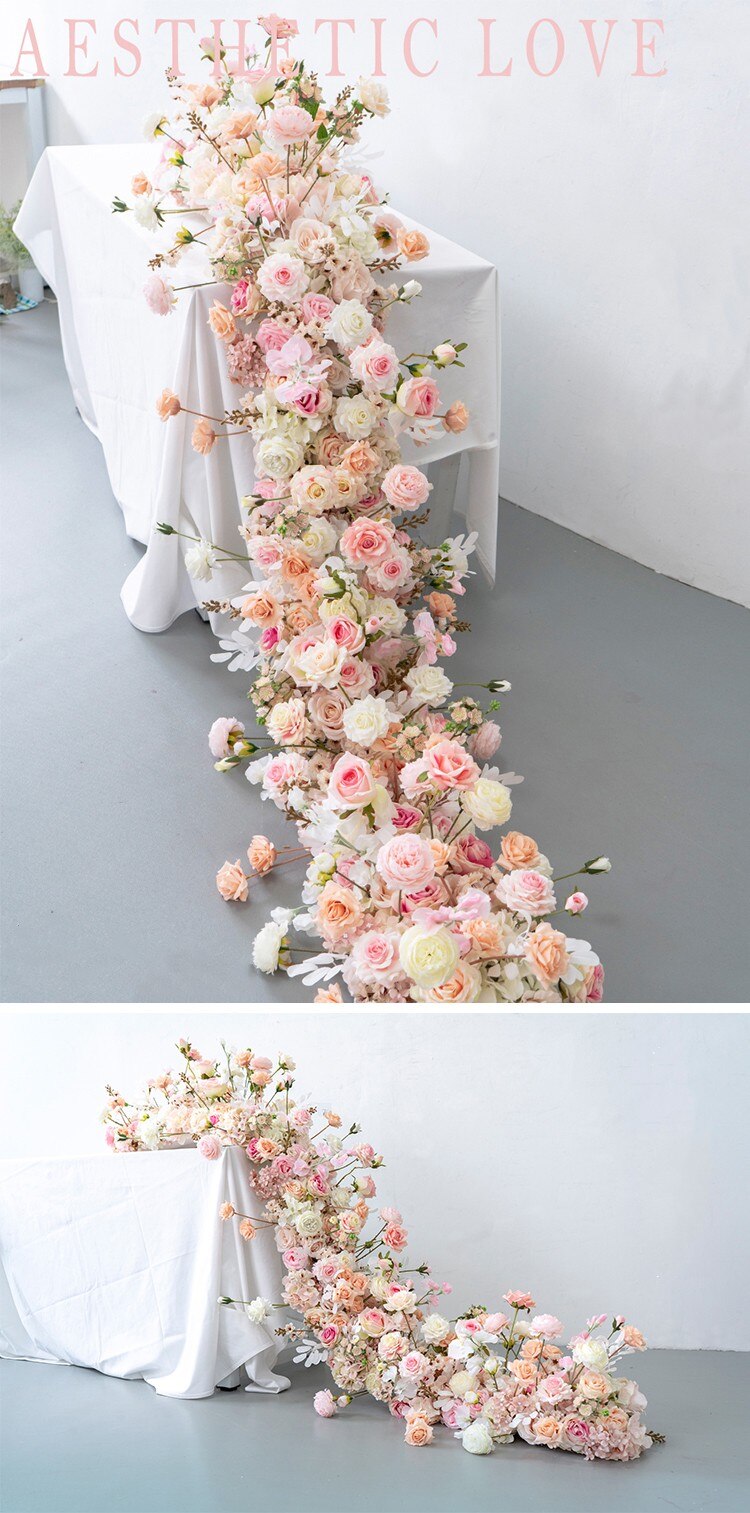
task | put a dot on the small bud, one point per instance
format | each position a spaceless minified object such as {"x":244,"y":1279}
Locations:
{"x":499,"y":685}
{"x":599,"y":864}
{"x":165,"y":530}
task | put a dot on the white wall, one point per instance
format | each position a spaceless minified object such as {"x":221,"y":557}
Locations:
{"x":614,"y":210}
{"x":598,"y":1160}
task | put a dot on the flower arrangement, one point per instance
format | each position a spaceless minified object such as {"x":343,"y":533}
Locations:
{"x":488,"y":1375}
{"x":384,"y":765}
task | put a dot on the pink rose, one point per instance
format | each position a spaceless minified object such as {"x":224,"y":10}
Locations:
{"x":295,"y":1259}
{"x":351,"y":784}
{"x":209,"y":1147}
{"x":450,"y":766}
{"x":494,"y":1323}
{"x":375,"y":956}
{"x":329,"y":1334}
{"x":470,"y":853}
{"x":576,"y":903}
{"x":418,"y":397}
{"x":366,"y":541}
{"x":305,"y":398}
{"x":595,"y":984}
{"x":218,"y":736}
{"x":346,"y":632}
{"x":405,"y":817}
{"x":547,"y":1326}
{"x":271,"y":336}
{"x":316,"y":307}
{"x":406,"y":863}
{"x":526,"y":892}
{"x":373,"y":1322}
{"x":288,"y":125}
{"x":405,"y":487}
{"x":395,"y":1237}
{"x":375,"y":365}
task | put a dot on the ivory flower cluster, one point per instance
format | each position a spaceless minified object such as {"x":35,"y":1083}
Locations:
{"x":384,"y":764}
{"x":487,"y":1375}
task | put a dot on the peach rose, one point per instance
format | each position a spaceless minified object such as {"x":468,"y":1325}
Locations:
{"x":485,"y":936}
{"x":203,"y":436}
{"x":406,"y":487}
{"x":338,"y":911}
{"x":328,"y":995}
{"x":406,"y":863}
{"x":361,"y":459}
{"x":594,"y":1385}
{"x":441,"y":605}
{"x":167,"y":405}
{"x":517,"y":850}
{"x":262,"y":609}
{"x":221,"y":321}
{"x":232,"y":882}
{"x":413,"y":245}
{"x":287,"y":722}
{"x":633,"y":1337}
{"x":548,"y":1429}
{"x":295,"y":565}
{"x":546,"y":951}
{"x":367,"y":541}
{"x":456,"y":418}
{"x":418,"y":1431}
{"x":139,"y":184}
{"x":261,"y":853}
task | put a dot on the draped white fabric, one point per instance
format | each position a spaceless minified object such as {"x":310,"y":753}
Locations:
{"x":117,"y":1262}
{"x":119,"y":357}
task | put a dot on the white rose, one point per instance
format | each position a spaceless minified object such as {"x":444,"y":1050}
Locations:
{"x":488,"y":802}
{"x":258,"y":1310}
{"x":429,"y":957}
{"x":263,"y":89}
{"x":283,"y":277}
{"x":411,"y":289}
{"x":355,"y":417}
{"x":349,"y":324}
{"x":476,"y":1438}
{"x":592,"y":1353}
{"x":278,"y":456}
{"x":319,"y":538}
{"x":374,"y":96}
{"x":144,"y":211}
{"x":200,"y":560}
{"x":390,"y":615}
{"x":435,"y":1328}
{"x":308,"y":1224}
{"x":319,"y":664}
{"x":366,"y":720}
{"x":429,"y":685}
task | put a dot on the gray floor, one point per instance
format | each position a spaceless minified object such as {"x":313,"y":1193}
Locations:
{"x":76,"y":1442}
{"x":626,"y":718}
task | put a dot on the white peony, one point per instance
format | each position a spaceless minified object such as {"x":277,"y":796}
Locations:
{"x":592,"y":1353}
{"x":366,"y":720}
{"x":429,"y":685}
{"x":374,"y":96}
{"x":200,"y":560}
{"x":355,"y":417}
{"x":488,"y":803}
{"x":429,"y":957}
{"x":349,"y":324}
{"x":476,"y":1438}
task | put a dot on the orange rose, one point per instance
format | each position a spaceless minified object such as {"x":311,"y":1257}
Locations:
{"x":295,"y":565}
{"x":441,"y":605}
{"x":262,"y":609}
{"x":518,"y":851}
{"x":222,"y":321}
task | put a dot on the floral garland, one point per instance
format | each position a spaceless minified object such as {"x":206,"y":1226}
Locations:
{"x":487,"y":1375}
{"x":365,"y":743}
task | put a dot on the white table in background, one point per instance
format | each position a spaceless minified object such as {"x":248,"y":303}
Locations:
{"x":117,"y":1262}
{"x":119,"y":357}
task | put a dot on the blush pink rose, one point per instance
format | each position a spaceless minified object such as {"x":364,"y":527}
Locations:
{"x":325,"y":1404}
{"x":289,"y":124}
{"x":218,"y":735}
{"x":316,"y":307}
{"x":406,"y":863}
{"x":160,"y":296}
{"x":450,"y":766}
{"x":418,"y":397}
{"x":406,"y":487}
{"x":351,"y":784}
{"x":485,"y":741}
{"x":209,"y":1147}
{"x":271,"y":335}
{"x":576,"y":903}
{"x":346,"y":632}
{"x":526,"y":892}
{"x":470,"y":853}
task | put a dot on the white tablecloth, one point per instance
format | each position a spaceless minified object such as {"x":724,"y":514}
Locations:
{"x":117,"y":1262}
{"x":119,"y":357}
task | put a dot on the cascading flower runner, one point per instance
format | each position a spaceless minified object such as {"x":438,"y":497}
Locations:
{"x":487,"y":1375}
{"x":384,"y":766}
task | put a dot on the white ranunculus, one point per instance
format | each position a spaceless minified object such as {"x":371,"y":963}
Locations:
{"x":258,"y":1310}
{"x":429,"y":685}
{"x":476,"y":1438}
{"x":279,"y":456}
{"x":591,"y":1353}
{"x":200,"y":560}
{"x":144,"y":210}
{"x":429,"y":957}
{"x":488,"y":803}
{"x":355,"y":417}
{"x":267,"y":945}
{"x":435,"y":1328}
{"x":374,"y":96}
{"x":349,"y":324}
{"x":366,"y":720}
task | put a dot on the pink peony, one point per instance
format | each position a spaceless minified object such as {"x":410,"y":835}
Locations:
{"x":325,"y":1404}
{"x":218,"y":736}
{"x":406,"y":863}
{"x":209,"y":1147}
{"x":405,"y":487}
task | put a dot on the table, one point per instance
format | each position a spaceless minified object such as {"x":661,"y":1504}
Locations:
{"x":119,"y":357}
{"x":116,"y":1262}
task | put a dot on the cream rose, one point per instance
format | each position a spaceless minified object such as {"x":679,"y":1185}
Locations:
{"x":488,"y":803}
{"x":429,"y":957}
{"x":366,"y":720}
